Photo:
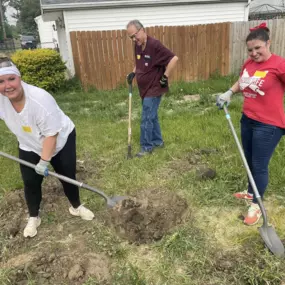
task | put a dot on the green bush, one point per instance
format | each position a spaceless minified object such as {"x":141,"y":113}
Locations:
{"x":41,"y":67}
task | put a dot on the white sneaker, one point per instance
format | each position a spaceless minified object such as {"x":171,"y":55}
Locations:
{"x":82,"y":212}
{"x":31,"y":227}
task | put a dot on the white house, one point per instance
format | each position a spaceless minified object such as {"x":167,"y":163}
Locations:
{"x":94,"y":15}
{"x":47,"y":33}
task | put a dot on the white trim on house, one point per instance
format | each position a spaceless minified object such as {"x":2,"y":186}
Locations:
{"x":129,"y":3}
{"x":68,"y":55}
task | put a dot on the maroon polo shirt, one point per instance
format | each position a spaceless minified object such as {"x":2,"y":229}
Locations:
{"x":150,"y":66}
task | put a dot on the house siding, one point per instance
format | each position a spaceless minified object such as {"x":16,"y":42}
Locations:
{"x":48,"y":36}
{"x":113,"y":19}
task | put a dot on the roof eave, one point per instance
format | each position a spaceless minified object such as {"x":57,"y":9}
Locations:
{"x":129,"y":4}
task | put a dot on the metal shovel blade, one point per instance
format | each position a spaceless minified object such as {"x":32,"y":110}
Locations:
{"x":113,"y":201}
{"x":129,"y":155}
{"x":272,"y":241}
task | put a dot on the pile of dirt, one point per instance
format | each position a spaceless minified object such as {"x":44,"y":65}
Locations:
{"x":49,"y":268}
{"x":149,"y":217}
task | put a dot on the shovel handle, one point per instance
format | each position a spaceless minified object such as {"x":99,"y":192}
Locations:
{"x":130,"y":113}
{"x":130,"y":120}
{"x":60,"y":177}
{"x":250,"y":177}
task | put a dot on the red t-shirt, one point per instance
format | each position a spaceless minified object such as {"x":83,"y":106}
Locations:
{"x":150,"y":66}
{"x":263,"y":86}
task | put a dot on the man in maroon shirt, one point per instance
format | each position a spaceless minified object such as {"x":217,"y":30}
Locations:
{"x":154,"y":63}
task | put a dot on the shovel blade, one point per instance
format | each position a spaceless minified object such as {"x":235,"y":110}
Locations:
{"x":129,"y":155}
{"x":272,"y":240}
{"x":112,"y":202}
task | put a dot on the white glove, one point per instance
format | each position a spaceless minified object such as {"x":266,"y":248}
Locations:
{"x":224,"y":98}
{"x":42,"y":167}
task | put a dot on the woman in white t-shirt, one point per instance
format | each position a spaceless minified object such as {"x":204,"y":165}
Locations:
{"x":45,"y":135}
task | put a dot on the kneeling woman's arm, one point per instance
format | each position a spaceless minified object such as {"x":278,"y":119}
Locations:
{"x":49,"y":145}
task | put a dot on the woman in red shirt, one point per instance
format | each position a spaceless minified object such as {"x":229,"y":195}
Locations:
{"x":262,"y":82}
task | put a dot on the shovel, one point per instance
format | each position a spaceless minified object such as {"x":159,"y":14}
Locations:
{"x":267,"y":232}
{"x":129,"y":155}
{"x":111,"y":202}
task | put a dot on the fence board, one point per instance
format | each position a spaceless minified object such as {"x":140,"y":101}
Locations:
{"x":195,"y":52}
{"x":125,"y":55}
{"x":83,"y":62}
{"x":97,"y":42}
{"x":92,"y":69}
{"x":102,"y":63}
{"x":111,"y":59}
{"x":75,"y":53}
{"x":116,"y":56}
{"x":187,"y":54}
{"x":175,"y":35}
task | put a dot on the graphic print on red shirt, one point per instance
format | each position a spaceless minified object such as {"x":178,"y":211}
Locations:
{"x":263,"y":86}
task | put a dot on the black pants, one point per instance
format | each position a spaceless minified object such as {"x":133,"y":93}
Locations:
{"x":64,"y":163}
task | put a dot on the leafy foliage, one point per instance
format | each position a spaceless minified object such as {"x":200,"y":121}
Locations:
{"x":26,"y":12}
{"x":42,"y":67}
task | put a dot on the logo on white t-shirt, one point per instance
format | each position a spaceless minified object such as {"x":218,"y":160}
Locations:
{"x":27,"y":129}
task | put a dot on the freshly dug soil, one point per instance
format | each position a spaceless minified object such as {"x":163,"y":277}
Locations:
{"x":149,"y":216}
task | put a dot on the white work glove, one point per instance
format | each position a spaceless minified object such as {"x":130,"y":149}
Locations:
{"x":42,"y":167}
{"x":224,"y":98}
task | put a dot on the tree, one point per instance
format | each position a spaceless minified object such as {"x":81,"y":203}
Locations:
{"x":26,"y":12}
{"x":3,"y":18}
{"x":16,"y":4}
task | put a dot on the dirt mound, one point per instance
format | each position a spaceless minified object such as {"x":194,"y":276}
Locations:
{"x":149,"y":217}
{"x":49,"y":268}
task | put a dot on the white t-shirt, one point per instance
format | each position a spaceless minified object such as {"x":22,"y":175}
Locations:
{"x":41,"y":117}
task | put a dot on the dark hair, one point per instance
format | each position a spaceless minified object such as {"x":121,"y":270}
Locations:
{"x":258,"y":34}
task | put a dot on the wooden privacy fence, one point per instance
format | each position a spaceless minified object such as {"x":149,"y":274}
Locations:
{"x":238,"y":33}
{"x":104,"y":58}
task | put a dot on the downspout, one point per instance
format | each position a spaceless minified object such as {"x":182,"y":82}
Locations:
{"x":41,"y":7}
{"x":246,"y":12}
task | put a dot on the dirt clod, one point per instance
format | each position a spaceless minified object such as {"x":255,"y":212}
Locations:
{"x":149,"y":217}
{"x":204,"y":173}
{"x":75,"y":272}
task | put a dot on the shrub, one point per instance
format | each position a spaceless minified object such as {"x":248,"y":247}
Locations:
{"x":43,"y":68}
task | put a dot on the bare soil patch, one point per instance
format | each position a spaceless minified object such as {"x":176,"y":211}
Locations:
{"x":149,"y":216}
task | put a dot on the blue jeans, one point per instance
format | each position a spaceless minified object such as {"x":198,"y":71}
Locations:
{"x":259,"y":141}
{"x":150,"y":128}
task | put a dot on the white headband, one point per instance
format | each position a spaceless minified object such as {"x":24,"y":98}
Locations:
{"x":10,"y":70}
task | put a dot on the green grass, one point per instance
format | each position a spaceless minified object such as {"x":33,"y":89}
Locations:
{"x":212,"y":247}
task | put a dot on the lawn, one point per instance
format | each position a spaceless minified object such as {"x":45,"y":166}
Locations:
{"x":210,"y":245}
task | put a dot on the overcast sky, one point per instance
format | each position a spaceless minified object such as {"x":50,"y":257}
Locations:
{"x":9,"y":13}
